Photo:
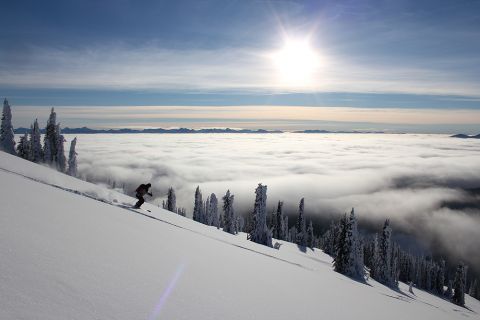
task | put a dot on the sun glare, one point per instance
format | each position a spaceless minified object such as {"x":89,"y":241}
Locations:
{"x":296,"y":62}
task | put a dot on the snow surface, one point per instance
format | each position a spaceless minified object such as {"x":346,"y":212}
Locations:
{"x":71,"y":250}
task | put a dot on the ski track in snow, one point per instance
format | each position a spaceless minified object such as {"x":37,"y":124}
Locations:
{"x":131,"y":209}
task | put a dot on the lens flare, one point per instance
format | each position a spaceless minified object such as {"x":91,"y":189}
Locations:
{"x":166,"y":293}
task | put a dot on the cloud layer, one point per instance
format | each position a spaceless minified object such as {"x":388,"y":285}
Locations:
{"x":248,"y":69}
{"x":428,"y":185}
{"x":288,"y":118}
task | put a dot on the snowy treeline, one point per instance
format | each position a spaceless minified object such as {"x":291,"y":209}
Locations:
{"x":30,"y":146}
{"x":260,"y":227}
{"x":388,"y":263}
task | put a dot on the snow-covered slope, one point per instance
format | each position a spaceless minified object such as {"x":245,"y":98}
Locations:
{"x":69,"y":250}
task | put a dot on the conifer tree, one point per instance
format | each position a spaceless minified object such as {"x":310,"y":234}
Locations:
{"x":440,"y":279}
{"x":340,"y":262}
{"x":72,"y":159}
{"x":473,"y":288}
{"x":301,"y":225}
{"x":292,"y":234}
{"x":7,"y":137}
{"x":310,"y":235}
{"x":383,"y":266}
{"x":375,"y":266}
{"x":260,"y":232}
{"x":459,"y":285}
{"x":182,"y":212}
{"x":61,"y":160}
{"x":473,"y":292}
{"x":349,"y":257}
{"x":355,"y":266}
{"x":36,"y":152}
{"x":285,"y":228}
{"x":278,"y":221}
{"x":330,"y":239}
{"x":198,"y":206}
{"x":50,"y":139}
{"x":213,"y":219}
{"x":23,"y":147}
{"x":171,"y":204}
{"x":449,"y":292}
{"x":206,"y":210}
{"x":228,"y":213}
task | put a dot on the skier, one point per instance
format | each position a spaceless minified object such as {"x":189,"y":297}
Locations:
{"x":140,"y":192}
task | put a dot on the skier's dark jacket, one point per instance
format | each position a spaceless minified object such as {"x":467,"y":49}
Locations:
{"x":143,"y":189}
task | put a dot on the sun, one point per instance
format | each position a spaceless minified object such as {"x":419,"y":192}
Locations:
{"x":296,"y":62}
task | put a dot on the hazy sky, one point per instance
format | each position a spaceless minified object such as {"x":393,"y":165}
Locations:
{"x":367,"y":54}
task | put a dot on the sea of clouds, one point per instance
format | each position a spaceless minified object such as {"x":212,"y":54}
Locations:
{"x":427,"y":185}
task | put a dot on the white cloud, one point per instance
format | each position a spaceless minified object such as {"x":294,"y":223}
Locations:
{"x":152,"y":68}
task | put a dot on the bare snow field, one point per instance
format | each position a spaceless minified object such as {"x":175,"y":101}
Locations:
{"x":69,"y":250}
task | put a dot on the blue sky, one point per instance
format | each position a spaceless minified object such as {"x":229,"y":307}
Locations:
{"x":374,"y":54}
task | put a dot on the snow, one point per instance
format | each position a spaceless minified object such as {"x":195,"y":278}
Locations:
{"x":69,"y":252}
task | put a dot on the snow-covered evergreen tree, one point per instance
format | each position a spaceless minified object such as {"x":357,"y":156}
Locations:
{"x":428,"y":274}
{"x":239,"y":223}
{"x":72,"y":159}
{"x":61,"y":160}
{"x":383,"y":272}
{"x":228,"y":213}
{"x":206,"y":210}
{"x":349,"y":258}
{"x":301,"y":225}
{"x":394,"y":269}
{"x":212,"y":209}
{"x":36,"y":152}
{"x":340,"y":262}
{"x":7,"y":137}
{"x":277,"y":230}
{"x":473,"y":292}
{"x":23,"y":147}
{"x":285,"y":228}
{"x":440,"y":279}
{"x":355,"y":262}
{"x":449,"y":292}
{"x":260,"y":232}
{"x":310,"y":235}
{"x":292,"y":234}
{"x":171,"y":204}
{"x":329,"y":239}
{"x":459,"y":284}
{"x":182,"y":212}
{"x":374,"y":268}
{"x":198,"y":208}
{"x":50,"y":139}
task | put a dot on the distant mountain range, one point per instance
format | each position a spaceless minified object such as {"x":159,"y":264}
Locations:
{"x":326,"y":131}
{"x":85,"y":130}
{"x":465,"y":136}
